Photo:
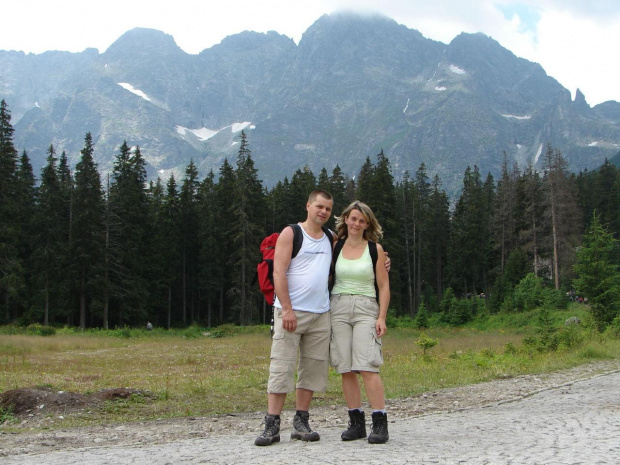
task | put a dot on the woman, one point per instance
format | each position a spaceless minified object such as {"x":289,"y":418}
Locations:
{"x":358,"y":321}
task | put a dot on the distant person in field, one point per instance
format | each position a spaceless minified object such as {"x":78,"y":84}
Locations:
{"x":358,"y":318}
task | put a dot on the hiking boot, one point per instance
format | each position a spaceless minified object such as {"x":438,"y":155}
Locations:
{"x":357,"y":426}
{"x":379,"y":433}
{"x":301,"y":428}
{"x":271,"y":433}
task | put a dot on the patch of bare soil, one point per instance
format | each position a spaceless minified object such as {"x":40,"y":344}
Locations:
{"x":40,"y":408}
{"x":26,"y":403}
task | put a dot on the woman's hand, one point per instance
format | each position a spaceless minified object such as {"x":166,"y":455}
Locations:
{"x":380,"y":327}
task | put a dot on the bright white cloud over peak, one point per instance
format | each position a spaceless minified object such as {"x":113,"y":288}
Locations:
{"x":573,"y":40}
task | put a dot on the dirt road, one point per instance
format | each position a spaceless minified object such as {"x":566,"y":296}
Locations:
{"x":570,"y":417}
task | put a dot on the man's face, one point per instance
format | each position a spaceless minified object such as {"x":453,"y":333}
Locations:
{"x":320,"y":209}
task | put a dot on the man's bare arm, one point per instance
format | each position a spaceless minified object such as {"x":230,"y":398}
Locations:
{"x":281,"y":262}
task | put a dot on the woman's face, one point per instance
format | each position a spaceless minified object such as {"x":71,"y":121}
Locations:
{"x":356,"y":223}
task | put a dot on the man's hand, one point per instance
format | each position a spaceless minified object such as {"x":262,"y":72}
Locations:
{"x":289,"y":320}
{"x":388,"y":262}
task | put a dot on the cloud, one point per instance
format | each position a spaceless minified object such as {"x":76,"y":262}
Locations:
{"x":572,"y":39}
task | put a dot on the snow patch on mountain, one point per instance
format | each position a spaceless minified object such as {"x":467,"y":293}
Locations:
{"x":538,"y":154}
{"x":236,"y":127}
{"x":203,"y":134}
{"x":456,"y":70}
{"x":517,"y":117}
{"x":133,"y":90}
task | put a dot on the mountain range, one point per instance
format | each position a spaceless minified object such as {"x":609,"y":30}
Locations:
{"x":353,"y":86}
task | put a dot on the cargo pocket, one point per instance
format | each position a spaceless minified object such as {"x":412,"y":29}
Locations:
{"x":335,"y":358}
{"x":279,"y":379}
{"x":375,"y":356}
{"x":278,"y":366}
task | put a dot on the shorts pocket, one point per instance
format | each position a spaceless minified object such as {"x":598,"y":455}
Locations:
{"x":375,"y":355}
{"x":372,"y":307}
{"x":335,"y":358}
{"x":278,"y":366}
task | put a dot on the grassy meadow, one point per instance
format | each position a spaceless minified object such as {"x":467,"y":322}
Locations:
{"x":200,"y":372}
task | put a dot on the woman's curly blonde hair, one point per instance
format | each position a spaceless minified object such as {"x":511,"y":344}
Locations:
{"x":373,"y":232}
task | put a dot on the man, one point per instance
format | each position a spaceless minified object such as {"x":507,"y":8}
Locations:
{"x":301,"y":321}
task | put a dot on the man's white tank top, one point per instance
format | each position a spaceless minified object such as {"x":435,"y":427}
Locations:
{"x":308,"y":275}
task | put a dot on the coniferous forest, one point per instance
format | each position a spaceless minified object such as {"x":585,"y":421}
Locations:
{"x":86,"y":250}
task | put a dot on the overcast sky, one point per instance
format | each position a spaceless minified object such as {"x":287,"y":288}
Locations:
{"x":576,"y":41}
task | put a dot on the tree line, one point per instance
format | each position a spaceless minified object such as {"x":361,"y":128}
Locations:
{"x":84,"y":250}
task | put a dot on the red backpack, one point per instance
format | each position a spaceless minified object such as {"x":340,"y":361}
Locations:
{"x":265,"y":267}
{"x":264,"y":270}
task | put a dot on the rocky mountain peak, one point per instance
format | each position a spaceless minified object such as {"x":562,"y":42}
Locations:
{"x":141,"y":42}
{"x":355,"y":84}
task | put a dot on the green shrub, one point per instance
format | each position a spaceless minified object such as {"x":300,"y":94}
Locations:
{"x":510,"y":349}
{"x":426,"y":343}
{"x":6,"y":415}
{"x":613,"y":329}
{"x":591,"y":353}
{"x":40,"y":330}
{"x":421,"y":319}
{"x":570,"y":336}
{"x":529,"y":293}
{"x":192,"y":332}
{"x":393,"y":321}
{"x":123,"y":333}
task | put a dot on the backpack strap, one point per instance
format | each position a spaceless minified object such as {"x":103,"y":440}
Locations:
{"x":298,"y":238}
{"x":374,"y":256}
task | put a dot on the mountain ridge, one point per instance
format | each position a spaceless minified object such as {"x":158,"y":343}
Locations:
{"x":354,"y":85}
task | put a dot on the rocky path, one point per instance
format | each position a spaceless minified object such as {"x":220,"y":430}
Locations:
{"x":569,"y":417}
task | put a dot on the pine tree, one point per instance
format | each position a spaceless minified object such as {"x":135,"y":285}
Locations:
{"x":129,"y":204}
{"x":530,"y":214}
{"x":189,"y":242}
{"x":26,"y":201}
{"x":421,"y":199}
{"x":563,"y":212}
{"x":48,"y":242}
{"x":504,"y":213}
{"x":421,"y":319}
{"x":585,"y":183}
{"x":210,"y":259}
{"x":365,"y":182}
{"x":87,"y":228}
{"x":607,"y":197}
{"x":338,"y":189}
{"x":247,"y":231}
{"x":439,"y":234}
{"x":279,"y":208}
{"x":11,"y":273}
{"x":66,"y":280}
{"x":225,"y":212}
{"x":470,"y":235}
{"x":302,"y":184}
{"x":598,"y":276}
{"x":323,"y":181}
{"x":168,"y":243}
{"x":407,"y":206}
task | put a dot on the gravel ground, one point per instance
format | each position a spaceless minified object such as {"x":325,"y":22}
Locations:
{"x":498,"y":392}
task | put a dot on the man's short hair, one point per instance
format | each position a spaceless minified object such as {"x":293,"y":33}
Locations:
{"x":315,"y":193}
